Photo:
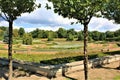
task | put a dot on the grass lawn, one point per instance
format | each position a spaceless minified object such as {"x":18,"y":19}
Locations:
{"x":117,"y":77}
{"x":43,"y":50}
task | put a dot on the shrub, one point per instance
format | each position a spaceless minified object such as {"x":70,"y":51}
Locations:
{"x":27,"y":39}
{"x":70,"y":37}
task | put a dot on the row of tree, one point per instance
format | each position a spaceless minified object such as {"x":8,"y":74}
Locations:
{"x":16,"y":32}
{"x":70,"y":35}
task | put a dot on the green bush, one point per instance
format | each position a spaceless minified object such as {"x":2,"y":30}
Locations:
{"x":50,"y":39}
{"x":50,"y":36}
{"x":70,"y":37}
{"x":27,"y":39}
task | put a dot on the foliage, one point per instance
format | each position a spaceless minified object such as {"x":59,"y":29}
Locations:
{"x":50,"y":36}
{"x":15,"y":33}
{"x":112,"y":10}
{"x":35,"y":33}
{"x":102,"y":36}
{"x":3,"y":28}
{"x":72,"y":32}
{"x":21,"y":32}
{"x":95,"y":35}
{"x":109,"y":34}
{"x":117,"y":33}
{"x":6,"y":36}
{"x":80,"y":36}
{"x":70,"y":37}
{"x":27,"y":39}
{"x":1,"y":33}
{"x":11,"y":9}
{"x":62,"y":33}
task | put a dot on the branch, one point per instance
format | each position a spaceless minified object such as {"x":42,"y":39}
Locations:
{"x":5,"y":18}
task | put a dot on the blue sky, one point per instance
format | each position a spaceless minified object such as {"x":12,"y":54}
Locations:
{"x":48,"y":20}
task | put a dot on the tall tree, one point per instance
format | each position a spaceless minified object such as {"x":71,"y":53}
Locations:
{"x":61,"y":33}
{"x":83,"y":11}
{"x":21,"y":32}
{"x":9,"y":11}
{"x":112,"y":11}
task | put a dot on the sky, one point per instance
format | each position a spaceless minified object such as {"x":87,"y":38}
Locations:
{"x":48,"y":20}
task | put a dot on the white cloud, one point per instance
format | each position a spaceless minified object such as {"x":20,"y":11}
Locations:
{"x":102,"y":24}
{"x":44,"y":28}
{"x":3,"y":23}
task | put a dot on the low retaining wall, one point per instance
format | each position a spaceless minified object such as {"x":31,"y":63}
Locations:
{"x":62,"y":69}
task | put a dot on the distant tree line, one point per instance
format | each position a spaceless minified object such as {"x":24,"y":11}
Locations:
{"x":70,"y":35}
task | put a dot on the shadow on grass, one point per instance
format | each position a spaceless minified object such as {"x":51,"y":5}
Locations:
{"x":67,"y":59}
{"x":112,"y":53}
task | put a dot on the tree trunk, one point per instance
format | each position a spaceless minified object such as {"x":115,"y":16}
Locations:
{"x":10,"y":50}
{"x":85,"y":51}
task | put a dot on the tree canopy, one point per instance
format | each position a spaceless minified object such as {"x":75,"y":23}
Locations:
{"x":82,"y":10}
{"x":112,"y":10}
{"x":11,"y":9}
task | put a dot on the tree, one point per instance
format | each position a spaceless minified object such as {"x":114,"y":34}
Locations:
{"x":61,"y":33}
{"x":50,"y":36}
{"x":3,"y":28}
{"x":27,"y":39}
{"x":15,"y":33}
{"x":9,"y":11}
{"x":102,"y":36}
{"x":1,"y":34}
{"x":83,"y":11}
{"x":72,"y":32}
{"x":80,"y":36}
{"x":95,"y":35}
{"x":109,"y":34}
{"x":117,"y":33}
{"x":35,"y":33}
{"x":112,"y":12}
{"x":70,"y":37}
{"x":6,"y":36}
{"x":21,"y":32}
